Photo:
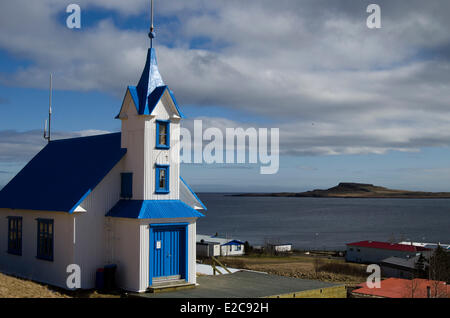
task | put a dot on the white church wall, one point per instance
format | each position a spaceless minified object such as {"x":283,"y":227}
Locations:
{"x":133,"y":130}
{"x":126,"y":250}
{"x":28,"y":265}
{"x":93,"y":232}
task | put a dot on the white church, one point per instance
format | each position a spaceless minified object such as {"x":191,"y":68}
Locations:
{"x":108,"y":199}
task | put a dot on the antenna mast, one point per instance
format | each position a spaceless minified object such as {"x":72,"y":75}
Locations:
{"x":49,"y":121}
{"x":152,"y":33}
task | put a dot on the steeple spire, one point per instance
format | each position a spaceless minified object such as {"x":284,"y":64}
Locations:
{"x":152,"y":33}
{"x":150,"y":78}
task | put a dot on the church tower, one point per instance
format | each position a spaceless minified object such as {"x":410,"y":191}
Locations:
{"x":151,"y":134}
{"x":154,"y":222}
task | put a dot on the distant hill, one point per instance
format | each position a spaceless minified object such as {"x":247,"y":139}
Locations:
{"x":355,"y":190}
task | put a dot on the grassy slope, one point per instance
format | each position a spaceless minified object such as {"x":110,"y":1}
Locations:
{"x":13,"y":287}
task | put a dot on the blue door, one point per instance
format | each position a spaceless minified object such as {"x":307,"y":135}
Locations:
{"x":167,"y":252}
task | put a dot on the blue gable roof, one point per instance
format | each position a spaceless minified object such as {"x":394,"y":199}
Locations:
{"x":63,"y":174}
{"x":150,"y":88}
{"x":234,"y":242}
{"x":153,"y":209}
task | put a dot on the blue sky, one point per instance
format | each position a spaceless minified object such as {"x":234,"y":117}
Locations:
{"x":352,"y":104}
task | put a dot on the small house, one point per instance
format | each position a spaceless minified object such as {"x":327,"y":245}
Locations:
{"x":279,"y":248}
{"x":208,"y":246}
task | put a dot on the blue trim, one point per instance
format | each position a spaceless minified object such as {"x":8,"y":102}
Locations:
{"x":195,"y":195}
{"x":45,"y":256}
{"x":134,"y":96}
{"x":80,"y":201}
{"x":167,"y":124}
{"x":18,"y":231}
{"x":158,"y":189}
{"x":184,"y":227}
{"x":152,"y":100}
{"x":175,"y":103}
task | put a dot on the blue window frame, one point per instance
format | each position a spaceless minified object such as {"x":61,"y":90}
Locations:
{"x":162,"y":134}
{"x":162,"y":179}
{"x":45,"y":239}
{"x":126,"y":185}
{"x":15,"y":235}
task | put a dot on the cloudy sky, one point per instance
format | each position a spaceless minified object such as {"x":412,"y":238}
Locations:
{"x":351,"y":103}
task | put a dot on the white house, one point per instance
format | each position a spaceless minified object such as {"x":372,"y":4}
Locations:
{"x":208,"y":246}
{"x":279,"y":248}
{"x":108,"y":199}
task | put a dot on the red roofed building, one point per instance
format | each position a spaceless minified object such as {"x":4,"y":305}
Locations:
{"x":405,"y":288}
{"x":375,"y":252}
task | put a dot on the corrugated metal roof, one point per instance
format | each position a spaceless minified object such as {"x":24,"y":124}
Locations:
{"x":402,"y":262}
{"x":388,"y":246}
{"x":153,"y":209}
{"x":62,"y":174}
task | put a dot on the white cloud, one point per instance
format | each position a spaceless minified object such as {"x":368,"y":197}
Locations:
{"x":331,"y":85}
{"x":22,"y":146}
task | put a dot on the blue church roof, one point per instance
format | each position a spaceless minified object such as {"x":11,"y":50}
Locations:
{"x":63,"y":174}
{"x":153,"y":209}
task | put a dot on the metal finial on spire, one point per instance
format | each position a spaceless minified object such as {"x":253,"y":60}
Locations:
{"x":152,"y":33}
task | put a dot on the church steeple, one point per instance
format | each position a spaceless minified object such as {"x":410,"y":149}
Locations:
{"x":151,"y":134}
{"x":150,"y":78}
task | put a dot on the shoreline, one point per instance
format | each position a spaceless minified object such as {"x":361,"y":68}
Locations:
{"x":262,"y":195}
